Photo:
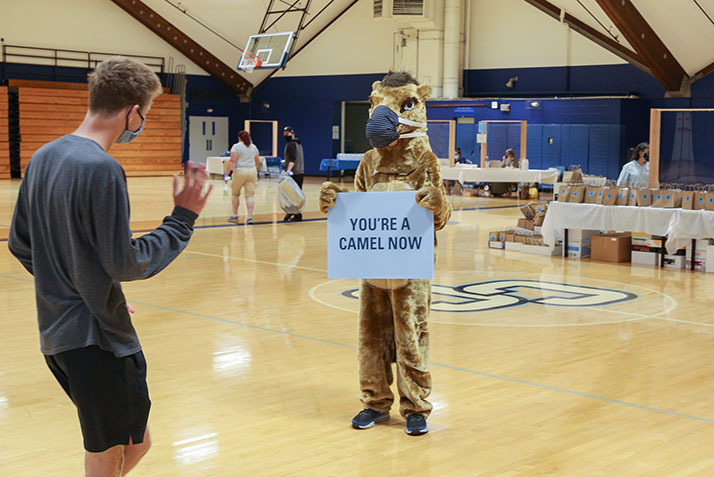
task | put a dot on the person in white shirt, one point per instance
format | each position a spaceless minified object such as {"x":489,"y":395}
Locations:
{"x":244,"y":162}
{"x":636,"y":173}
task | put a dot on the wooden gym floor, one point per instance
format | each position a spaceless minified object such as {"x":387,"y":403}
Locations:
{"x":253,"y":368}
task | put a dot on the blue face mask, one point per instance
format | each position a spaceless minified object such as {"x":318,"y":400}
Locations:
{"x":381,"y":129}
{"x":129,"y":135}
{"x":647,"y":156}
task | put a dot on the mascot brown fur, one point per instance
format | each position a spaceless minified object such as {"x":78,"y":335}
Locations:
{"x":393,"y":316}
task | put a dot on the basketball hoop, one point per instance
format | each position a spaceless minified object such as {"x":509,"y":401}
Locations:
{"x":250,"y":62}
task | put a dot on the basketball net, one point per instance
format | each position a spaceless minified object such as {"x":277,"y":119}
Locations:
{"x":250,"y":62}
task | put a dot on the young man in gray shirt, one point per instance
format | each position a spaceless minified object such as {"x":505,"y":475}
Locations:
{"x":71,"y":231}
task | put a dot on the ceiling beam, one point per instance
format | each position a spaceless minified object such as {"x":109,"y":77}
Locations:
{"x":189,"y":48}
{"x":703,"y":72}
{"x":654,"y":53}
{"x":590,"y":33}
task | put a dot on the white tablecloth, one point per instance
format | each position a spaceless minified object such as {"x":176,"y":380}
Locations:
{"x":494,"y":174}
{"x":678,"y":225}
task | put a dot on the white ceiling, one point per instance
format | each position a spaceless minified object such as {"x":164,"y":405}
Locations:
{"x":236,"y":20}
{"x":680,"y":24}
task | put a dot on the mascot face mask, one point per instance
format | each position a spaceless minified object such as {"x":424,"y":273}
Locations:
{"x":397,"y":112}
{"x":381,"y":127}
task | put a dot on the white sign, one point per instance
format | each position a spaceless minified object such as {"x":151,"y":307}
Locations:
{"x":481,"y":138}
{"x":335,"y":132}
{"x":379,"y":235}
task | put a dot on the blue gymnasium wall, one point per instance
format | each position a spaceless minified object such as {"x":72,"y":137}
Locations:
{"x":312,"y":105}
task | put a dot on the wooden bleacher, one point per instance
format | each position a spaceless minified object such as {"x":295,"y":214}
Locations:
{"x":4,"y":135}
{"x":53,"y":110}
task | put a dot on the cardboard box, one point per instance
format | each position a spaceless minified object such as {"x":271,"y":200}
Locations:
{"x":514,"y":246}
{"x":709,"y":266}
{"x":701,"y":255}
{"x":645,"y":240}
{"x":542,"y":249}
{"x":645,"y":258}
{"x":614,"y":248}
{"x":497,"y":245}
{"x":674,"y":261}
{"x":580,"y":243}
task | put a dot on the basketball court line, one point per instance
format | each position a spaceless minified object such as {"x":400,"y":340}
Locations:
{"x":440,"y":365}
{"x":319,"y":219}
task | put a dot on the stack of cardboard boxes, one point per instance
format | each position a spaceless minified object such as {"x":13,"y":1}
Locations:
{"x":526,"y":235}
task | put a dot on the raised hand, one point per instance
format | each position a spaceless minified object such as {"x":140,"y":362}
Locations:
{"x":191,"y":197}
{"x":430,"y":197}
{"x":328,"y":195}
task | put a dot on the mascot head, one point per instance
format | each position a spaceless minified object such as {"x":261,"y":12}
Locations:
{"x":398,"y":110}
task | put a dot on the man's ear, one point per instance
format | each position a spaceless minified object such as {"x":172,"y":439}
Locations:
{"x":376,"y":85}
{"x":424,"y":92}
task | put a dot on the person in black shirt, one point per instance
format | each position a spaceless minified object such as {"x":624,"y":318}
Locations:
{"x":294,"y":164}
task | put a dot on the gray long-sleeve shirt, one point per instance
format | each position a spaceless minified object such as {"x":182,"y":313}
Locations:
{"x":71,"y":231}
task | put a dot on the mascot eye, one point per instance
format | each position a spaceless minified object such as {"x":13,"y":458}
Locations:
{"x":408,"y":105}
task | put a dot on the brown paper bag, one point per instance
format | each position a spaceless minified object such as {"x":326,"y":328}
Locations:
{"x":623,"y":194}
{"x":576,"y":194}
{"x":644,"y":198}
{"x":563,"y":193}
{"x":700,"y":200}
{"x":688,"y":199}
{"x":709,"y":201}
{"x":572,"y":176}
{"x":609,"y":196}
{"x":632,"y":197}
{"x":528,"y":211}
{"x":591,"y":194}
{"x":538,"y":221}
{"x":667,"y":198}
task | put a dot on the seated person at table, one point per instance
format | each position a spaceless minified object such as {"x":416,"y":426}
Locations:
{"x":509,"y":160}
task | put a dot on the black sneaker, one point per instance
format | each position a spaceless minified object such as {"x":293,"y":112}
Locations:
{"x":416,"y":425}
{"x":287,"y":217}
{"x":368,"y":418}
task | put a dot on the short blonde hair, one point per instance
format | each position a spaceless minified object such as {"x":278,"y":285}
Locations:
{"x":119,"y":82}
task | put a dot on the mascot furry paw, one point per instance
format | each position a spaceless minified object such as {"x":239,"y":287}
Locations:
{"x":394,"y":314}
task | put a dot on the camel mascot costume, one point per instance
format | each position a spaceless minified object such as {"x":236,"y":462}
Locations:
{"x":393,"y":313}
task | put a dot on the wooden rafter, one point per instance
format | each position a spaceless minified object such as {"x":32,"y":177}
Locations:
{"x":189,"y":48}
{"x":704,"y":71}
{"x":654,"y":53}
{"x":590,"y":33}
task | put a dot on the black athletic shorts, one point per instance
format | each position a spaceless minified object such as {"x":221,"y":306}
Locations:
{"x":110,"y":393}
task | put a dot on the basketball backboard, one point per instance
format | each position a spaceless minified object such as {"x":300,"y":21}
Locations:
{"x":270,"y":48}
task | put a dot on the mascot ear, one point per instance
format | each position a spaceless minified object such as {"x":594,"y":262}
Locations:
{"x":376,"y":85}
{"x":424,"y":92}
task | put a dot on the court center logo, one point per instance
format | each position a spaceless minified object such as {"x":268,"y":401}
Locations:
{"x":500,"y":294}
